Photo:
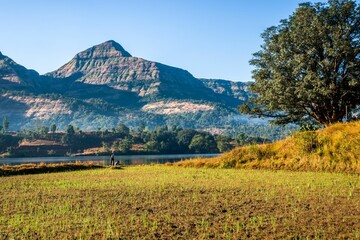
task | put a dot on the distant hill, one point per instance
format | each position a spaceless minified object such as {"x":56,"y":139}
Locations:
{"x":104,"y":85}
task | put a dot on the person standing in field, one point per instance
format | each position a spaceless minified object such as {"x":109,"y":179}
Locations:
{"x":112,"y":159}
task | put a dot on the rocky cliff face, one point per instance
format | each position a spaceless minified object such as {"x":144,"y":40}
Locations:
{"x":34,"y":107}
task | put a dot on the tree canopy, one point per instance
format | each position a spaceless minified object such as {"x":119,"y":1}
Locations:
{"x":53,"y":128}
{"x":308,"y":68}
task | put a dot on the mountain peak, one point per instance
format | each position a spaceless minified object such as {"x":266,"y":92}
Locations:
{"x":111,"y":44}
{"x":104,"y":50}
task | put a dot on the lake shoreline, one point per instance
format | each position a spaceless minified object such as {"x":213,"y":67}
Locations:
{"x":123,"y":159}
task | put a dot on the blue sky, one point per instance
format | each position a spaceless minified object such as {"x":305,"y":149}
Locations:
{"x":209,"y":38}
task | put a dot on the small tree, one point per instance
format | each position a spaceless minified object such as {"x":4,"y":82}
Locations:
{"x":184,"y":138}
{"x":242,"y":139}
{"x":126,"y":144}
{"x":203,"y":143}
{"x":53,"y":128}
{"x":70,"y":130}
{"x":69,"y":136}
{"x":43,"y":131}
{"x":223,"y":143}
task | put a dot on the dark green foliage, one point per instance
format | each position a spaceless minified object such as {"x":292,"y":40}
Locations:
{"x":184,"y":138}
{"x":141,"y":128}
{"x":43,"y":131}
{"x":308,"y":67}
{"x":203,"y":143}
{"x":8,"y":141}
{"x":244,"y":139}
{"x":70,"y":130}
{"x":309,"y":127}
{"x":223,"y":143}
{"x":126,"y":144}
{"x":53,"y":128}
{"x":163,"y":140}
{"x":151,"y":146}
{"x":69,"y":138}
{"x":122,"y":130}
{"x":86,"y":140}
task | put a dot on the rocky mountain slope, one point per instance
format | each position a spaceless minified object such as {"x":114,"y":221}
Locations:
{"x":104,"y":86}
{"x":109,"y":64}
{"x":15,"y":76}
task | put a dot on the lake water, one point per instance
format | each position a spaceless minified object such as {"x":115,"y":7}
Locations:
{"x":123,"y":159}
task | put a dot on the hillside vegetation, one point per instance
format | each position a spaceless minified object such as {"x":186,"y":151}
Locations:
{"x":335,"y":148}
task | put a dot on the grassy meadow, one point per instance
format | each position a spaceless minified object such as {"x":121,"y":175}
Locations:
{"x":167,"y":202}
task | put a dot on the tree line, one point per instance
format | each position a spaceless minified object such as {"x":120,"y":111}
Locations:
{"x":123,"y":140}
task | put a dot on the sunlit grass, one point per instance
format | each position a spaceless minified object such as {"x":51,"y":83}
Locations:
{"x":334,"y":149}
{"x":167,"y":202}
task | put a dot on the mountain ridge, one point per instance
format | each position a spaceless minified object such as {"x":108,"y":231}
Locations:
{"x":104,"y":64}
{"x":105,"y":85}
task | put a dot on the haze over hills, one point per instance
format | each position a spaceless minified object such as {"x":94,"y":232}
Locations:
{"x":104,"y":85}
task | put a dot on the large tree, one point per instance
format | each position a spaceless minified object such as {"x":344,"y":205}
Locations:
{"x":308,"y":68}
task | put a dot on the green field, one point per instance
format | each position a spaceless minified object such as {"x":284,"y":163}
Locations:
{"x":152,"y":202}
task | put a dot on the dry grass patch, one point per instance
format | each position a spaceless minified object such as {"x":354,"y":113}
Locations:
{"x":335,"y":149}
